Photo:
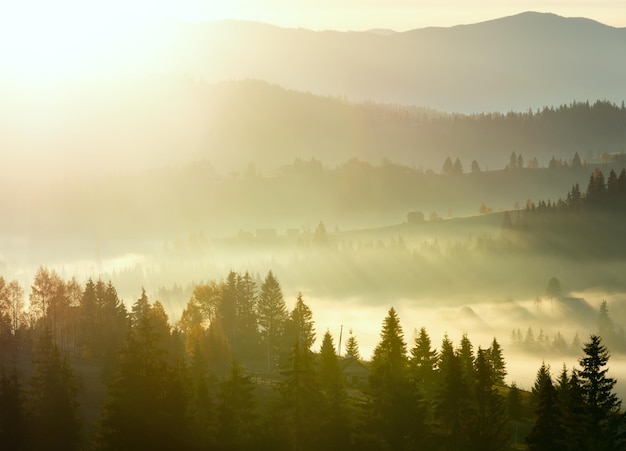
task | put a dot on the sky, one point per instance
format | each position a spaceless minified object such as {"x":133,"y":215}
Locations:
{"x":65,"y":39}
{"x":400,"y":15}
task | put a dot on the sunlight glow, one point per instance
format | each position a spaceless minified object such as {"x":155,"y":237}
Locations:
{"x":69,"y":39}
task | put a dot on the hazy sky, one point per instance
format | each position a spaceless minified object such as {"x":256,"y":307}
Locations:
{"x":314,"y":14}
{"x":63,"y":39}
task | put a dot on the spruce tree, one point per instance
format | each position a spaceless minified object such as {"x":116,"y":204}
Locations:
{"x":489,"y":428}
{"x":606,"y":422}
{"x":352,"y":347}
{"x":272,"y":317}
{"x":547,"y":432}
{"x":496,"y":359}
{"x":335,"y":426}
{"x":452,"y":403}
{"x":301,"y":325}
{"x":397,"y":410}
{"x":424,"y":362}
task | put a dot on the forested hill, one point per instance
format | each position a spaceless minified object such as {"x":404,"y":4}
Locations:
{"x":517,"y":62}
{"x":586,"y":223}
{"x":153,"y":122}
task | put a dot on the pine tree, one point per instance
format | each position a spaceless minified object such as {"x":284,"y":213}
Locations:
{"x":352,"y":347}
{"x":301,"y":325}
{"x":272,"y":317}
{"x":424,"y":362}
{"x":452,"y":404}
{"x":573,"y":411}
{"x":606,"y":422}
{"x":335,"y":426}
{"x":397,"y":411}
{"x":547,"y":432}
{"x":458,"y":167}
{"x":227,"y":310}
{"x":465,"y":353}
{"x":489,"y":430}
{"x":496,"y":359}
{"x":248,"y":334}
{"x":448,"y":167}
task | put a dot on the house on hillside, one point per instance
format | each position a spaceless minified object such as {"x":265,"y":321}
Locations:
{"x":355,"y":373}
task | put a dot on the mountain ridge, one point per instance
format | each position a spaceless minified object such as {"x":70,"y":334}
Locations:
{"x":513,"y":63}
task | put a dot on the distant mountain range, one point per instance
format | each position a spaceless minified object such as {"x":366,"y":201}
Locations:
{"x":525,"y":61}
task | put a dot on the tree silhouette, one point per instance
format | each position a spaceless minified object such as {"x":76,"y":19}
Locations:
{"x":397,"y":412}
{"x":489,"y":430}
{"x":334,"y":415}
{"x":496,"y":359}
{"x":606,"y":422}
{"x":301,"y":325}
{"x":547,"y":432}
{"x":352,"y":347}
{"x":424,"y":362}
{"x":272,"y":316}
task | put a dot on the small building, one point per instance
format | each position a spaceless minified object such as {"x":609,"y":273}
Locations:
{"x":355,"y":373}
{"x":415,"y":217}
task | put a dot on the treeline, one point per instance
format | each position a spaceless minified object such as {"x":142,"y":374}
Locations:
{"x":578,"y":127}
{"x":592,"y":219}
{"x":543,"y":344}
{"x":238,"y":371}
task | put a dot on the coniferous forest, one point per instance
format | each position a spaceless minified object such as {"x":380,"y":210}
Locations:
{"x":238,"y":370}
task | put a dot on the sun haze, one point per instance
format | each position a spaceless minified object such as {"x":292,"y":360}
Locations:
{"x":70,"y":39}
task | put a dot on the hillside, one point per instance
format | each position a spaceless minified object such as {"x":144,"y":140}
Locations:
{"x":86,"y":130}
{"x":514,"y":63}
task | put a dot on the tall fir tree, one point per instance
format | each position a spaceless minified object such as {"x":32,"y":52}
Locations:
{"x":547,"y":432}
{"x":272,"y":318}
{"x":352,"y":347}
{"x":606,"y":421}
{"x":301,"y":327}
{"x":423,"y":362}
{"x":335,"y":425}
{"x":398,"y":412}
{"x":490,"y":428}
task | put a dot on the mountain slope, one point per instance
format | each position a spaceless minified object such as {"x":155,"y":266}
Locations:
{"x":513,"y":63}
